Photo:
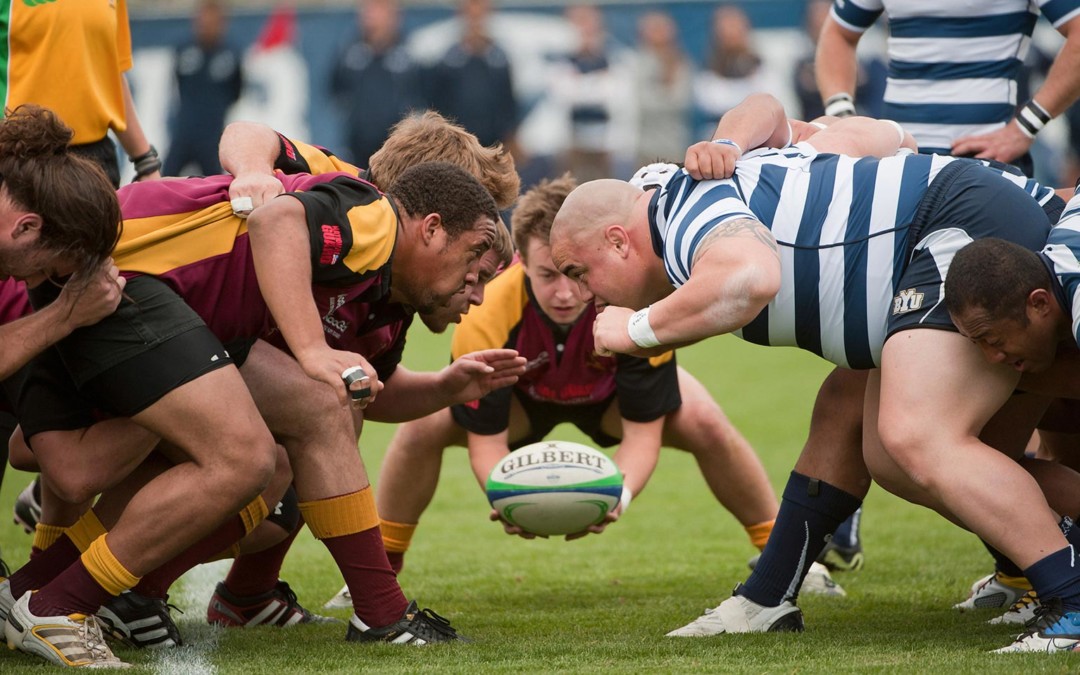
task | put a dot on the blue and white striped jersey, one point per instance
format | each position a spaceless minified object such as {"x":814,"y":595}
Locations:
{"x":841,"y":224}
{"x":953,"y":64}
{"x":1062,"y":252}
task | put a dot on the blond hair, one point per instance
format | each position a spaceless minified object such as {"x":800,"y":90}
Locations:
{"x":430,"y":137}
{"x":536,"y":210}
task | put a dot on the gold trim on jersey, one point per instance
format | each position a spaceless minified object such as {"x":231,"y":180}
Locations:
{"x":160,"y":244}
{"x":488,"y":326}
{"x":373,"y":237}
{"x":661,"y":359}
{"x":319,"y":162}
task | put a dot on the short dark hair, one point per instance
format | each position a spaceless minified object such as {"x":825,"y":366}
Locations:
{"x":536,"y":211}
{"x":996,"y":276}
{"x":445,"y":189}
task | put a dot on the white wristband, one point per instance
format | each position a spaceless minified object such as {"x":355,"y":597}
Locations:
{"x":640,"y":331}
{"x":624,"y":500}
{"x":840,"y":105}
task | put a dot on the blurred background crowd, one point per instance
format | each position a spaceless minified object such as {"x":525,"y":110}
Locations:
{"x":594,"y":89}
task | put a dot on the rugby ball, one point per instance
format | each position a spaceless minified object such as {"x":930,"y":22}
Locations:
{"x":554,"y":487}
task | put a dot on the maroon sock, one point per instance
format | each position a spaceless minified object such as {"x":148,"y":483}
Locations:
{"x":257,"y":573}
{"x":377,"y":598}
{"x":397,"y":560}
{"x":156,"y":584}
{"x":44,"y":567}
{"x":74,"y":591}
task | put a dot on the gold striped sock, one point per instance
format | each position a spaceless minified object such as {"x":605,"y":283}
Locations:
{"x":254,"y":513}
{"x":106,"y":569}
{"x":46,"y":535}
{"x":396,"y":536}
{"x":85,"y":530}
{"x":759,"y":533}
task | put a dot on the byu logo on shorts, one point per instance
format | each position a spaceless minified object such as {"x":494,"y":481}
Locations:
{"x":908,"y":301}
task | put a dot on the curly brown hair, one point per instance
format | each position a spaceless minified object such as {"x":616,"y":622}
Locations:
{"x":430,"y":137}
{"x":445,"y":189}
{"x":536,"y":210}
{"x":76,"y":201}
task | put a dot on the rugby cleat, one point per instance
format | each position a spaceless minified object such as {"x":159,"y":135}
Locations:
{"x":842,"y":558}
{"x":738,"y":614}
{"x":139,"y":621}
{"x":818,"y":581}
{"x":1021,"y":612}
{"x":7,"y":601}
{"x":993,"y":591}
{"x":341,"y":600}
{"x":415,"y":627}
{"x":1053,"y":630}
{"x":276,"y":607}
{"x":27,"y":511}
{"x":72,"y":641}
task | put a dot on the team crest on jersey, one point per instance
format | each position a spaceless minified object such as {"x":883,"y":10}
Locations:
{"x":331,"y":324}
{"x":909,"y":300}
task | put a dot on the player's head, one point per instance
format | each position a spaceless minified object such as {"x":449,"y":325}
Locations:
{"x":491,"y":263}
{"x":429,"y":137}
{"x":998,"y":294}
{"x":58,"y":211}
{"x":558,"y":296}
{"x":600,"y":240}
{"x":448,"y":222}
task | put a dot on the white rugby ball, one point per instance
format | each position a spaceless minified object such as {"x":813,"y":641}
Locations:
{"x":554,"y":487}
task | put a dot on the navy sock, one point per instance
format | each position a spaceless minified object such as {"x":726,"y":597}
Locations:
{"x":1002,"y":563}
{"x":1057,"y":575}
{"x":847,"y":535}
{"x":810,"y":512}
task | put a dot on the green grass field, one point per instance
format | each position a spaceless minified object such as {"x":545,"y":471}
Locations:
{"x":603,"y":604}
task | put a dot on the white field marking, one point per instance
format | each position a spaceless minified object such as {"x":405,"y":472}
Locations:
{"x":191,"y":594}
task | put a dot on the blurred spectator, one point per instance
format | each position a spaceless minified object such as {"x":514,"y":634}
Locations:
{"x":733,"y":68}
{"x":663,"y":91}
{"x":375,"y":81}
{"x":209,"y":80}
{"x":586,"y":85}
{"x":472,"y":84}
{"x":870,"y":76}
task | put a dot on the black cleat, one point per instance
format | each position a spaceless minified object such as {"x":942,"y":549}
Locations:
{"x":27,"y":510}
{"x":415,"y":627}
{"x":139,"y":621}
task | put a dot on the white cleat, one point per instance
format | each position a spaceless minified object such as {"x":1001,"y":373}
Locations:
{"x":71,"y":641}
{"x":1021,"y":612}
{"x":341,"y":600}
{"x":1052,"y":631}
{"x":818,"y":581}
{"x":7,"y":601}
{"x":991,"y":592}
{"x":741,"y":615}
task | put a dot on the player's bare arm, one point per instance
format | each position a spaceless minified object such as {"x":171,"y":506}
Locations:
{"x":280,"y":244}
{"x":759,"y":121}
{"x":248,"y":151}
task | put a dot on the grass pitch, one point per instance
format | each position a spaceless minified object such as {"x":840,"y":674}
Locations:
{"x":603,"y":603}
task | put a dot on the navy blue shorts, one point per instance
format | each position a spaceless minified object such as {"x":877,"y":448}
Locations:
{"x":966,"y":201}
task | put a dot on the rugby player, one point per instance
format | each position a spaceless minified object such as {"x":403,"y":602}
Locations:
{"x":843,"y":257}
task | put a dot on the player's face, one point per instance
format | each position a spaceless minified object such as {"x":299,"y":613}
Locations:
{"x":449,"y":266}
{"x":459,"y":305}
{"x":603,"y":276}
{"x":1026,"y":347}
{"x":559,"y":297}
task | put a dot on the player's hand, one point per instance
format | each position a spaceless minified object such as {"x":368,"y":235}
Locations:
{"x":599,"y":528}
{"x":327,"y":365}
{"x":512,"y":529}
{"x":260,"y":188}
{"x":477,"y":374}
{"x":85,"y":301}
{"x":710,"y":161}
{"x":1003,"y":145}
{"x":610,"y":335}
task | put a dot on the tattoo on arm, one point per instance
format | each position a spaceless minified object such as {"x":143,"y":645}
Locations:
{"x":741,"y":227}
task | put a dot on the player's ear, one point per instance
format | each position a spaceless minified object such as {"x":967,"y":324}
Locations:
{"x":27,"y":224}
{"x":617,"y":238}
{"x":1040,"y":302}
{"x":430,"y":227}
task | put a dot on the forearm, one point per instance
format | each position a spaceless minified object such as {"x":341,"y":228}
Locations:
{"x":700,"y":310}
{"x":248,"y":147}
{"x":638,"y":453}
{"x":132,"y":138}
{"x":1062,"y":85}
{"x":759,"y":121}
{"x":485,"y":452}
{"x":407,"y":396}
{"x":835,"y":64}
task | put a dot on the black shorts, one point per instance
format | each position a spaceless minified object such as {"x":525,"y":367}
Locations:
{"x":149,"y":346}
{"x":103,"y":153}
{"x":543,"y":417}
{"x":966,"y":201}
{"x":45,"y":398}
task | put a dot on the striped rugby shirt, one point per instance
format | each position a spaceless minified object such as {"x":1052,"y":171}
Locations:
{"x":1062,"y":257}
{"x":842,"y":226}
{"x":953,"y":65}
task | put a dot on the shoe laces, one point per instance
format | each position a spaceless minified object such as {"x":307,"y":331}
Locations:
{"x":1046,"y":615}
{"x":286,"y":593}
{"x":1024,"y":601}
{"x":90,"y":635}
{"x":438,"y":625}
